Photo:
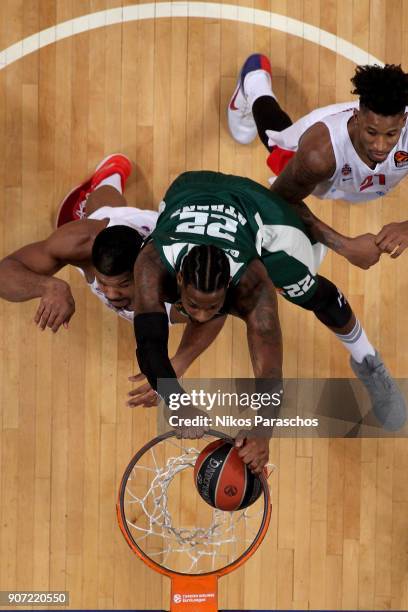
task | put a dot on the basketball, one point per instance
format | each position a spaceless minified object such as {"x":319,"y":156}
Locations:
{"x":222,"y":478}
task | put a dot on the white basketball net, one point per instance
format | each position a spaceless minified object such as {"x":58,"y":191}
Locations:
{"x":189,"y":549}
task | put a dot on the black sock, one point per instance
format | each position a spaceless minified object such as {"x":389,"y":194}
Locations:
{"x":268,"y":115}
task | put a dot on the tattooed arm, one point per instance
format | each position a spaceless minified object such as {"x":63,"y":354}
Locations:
{"x":315,"y":163}
{"x":256,"y":303}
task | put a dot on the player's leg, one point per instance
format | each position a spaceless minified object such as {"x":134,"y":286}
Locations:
{"x":104,"y":188}
{"x":253,"y":108}
{"x":295,"y":280}
{"x":332,"y":309}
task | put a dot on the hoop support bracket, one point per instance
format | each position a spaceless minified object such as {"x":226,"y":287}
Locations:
{"x":194,"y":594}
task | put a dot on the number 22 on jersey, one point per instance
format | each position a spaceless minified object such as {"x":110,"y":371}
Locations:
{"x":200,"y":222}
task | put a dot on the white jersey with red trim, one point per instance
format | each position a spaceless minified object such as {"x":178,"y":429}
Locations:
{"x":143,"y":221}
{"x":352,"y":180}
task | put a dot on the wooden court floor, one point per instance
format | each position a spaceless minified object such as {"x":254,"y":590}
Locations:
{"x":157,"y":90}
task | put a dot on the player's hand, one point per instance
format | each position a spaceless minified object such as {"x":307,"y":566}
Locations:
{"x":143,"y":395}
{"x":393,"y":238}
{"x":56,"y":306}
{"x":254,"y":451}
{"x":362,"y":251}
{"x":190,"y":432}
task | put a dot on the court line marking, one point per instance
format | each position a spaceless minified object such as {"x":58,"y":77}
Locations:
{"x":231,"y":12}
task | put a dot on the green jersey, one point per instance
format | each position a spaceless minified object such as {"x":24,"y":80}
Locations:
{"x":241,"y":217}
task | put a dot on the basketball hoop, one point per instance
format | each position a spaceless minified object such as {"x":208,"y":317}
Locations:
{"x":212,"y":544}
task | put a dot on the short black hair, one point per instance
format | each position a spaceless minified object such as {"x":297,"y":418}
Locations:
{"x":382,"y":90}
{"x":115,"y":250}
{"x":206,"y":268}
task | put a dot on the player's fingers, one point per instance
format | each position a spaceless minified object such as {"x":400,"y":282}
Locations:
{"x":192,"y":433}
{"x":68,"y":316}
{"x":140,"y":390}
{"x":183,"y":432}
{"x":258,"y":463}
{"x":44,"y":318}
{"x":392,"y":246}
{"x":138,"y":400}
{"x":54,"y":314}
{"x":38,"y":314}
{"x":135,"y":402}
{"x":388,"y":248}
{"x":149,"y":399}
{"x":398,"y":251}
{"x":386,"y":244}
{"x":253,"y":465}
{"x":136,"y":377}
{"x":150,"y":403}
{"x":58,"y":321}
{"x":240,"y":439}
{"x":134,"y":392}
{"x":246,"y":454}
{"x":257,"y":470}
{"x":248,"y":446}
{"x":382,"y":243}
{"x":382,"y":234}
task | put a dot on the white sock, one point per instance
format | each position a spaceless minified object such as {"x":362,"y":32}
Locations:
{"x":256,"y":84}
{"x":357,"y":343}
{"x":114,"y":181}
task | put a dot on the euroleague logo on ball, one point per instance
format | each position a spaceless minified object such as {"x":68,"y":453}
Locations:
{"x":230,"y":490}
{"x":177,"y":598}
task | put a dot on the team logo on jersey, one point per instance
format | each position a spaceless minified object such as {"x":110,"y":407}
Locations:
{"x":346,"y":170}
{"x":401,"y":159}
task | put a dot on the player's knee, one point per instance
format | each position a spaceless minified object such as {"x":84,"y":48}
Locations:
{"x":329,"y":304}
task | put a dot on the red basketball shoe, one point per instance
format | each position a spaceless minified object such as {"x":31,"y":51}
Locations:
{"x":73,"y":206}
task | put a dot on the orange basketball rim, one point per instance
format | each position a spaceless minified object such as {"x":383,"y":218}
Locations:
{"x":189,"y":591}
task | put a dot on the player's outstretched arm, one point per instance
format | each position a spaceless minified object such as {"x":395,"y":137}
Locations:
{"x":315,"y":163}
{"x":257,"y":305}
{"x":151,"y":322}
{"x":152,"y":331}
{"x":196,"y":338}
{"x":28,"y":273}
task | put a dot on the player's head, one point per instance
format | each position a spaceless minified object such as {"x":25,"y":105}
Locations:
{"x":383,"y":93}
{"x":203,"y":282}
{"x":114,"y":254}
